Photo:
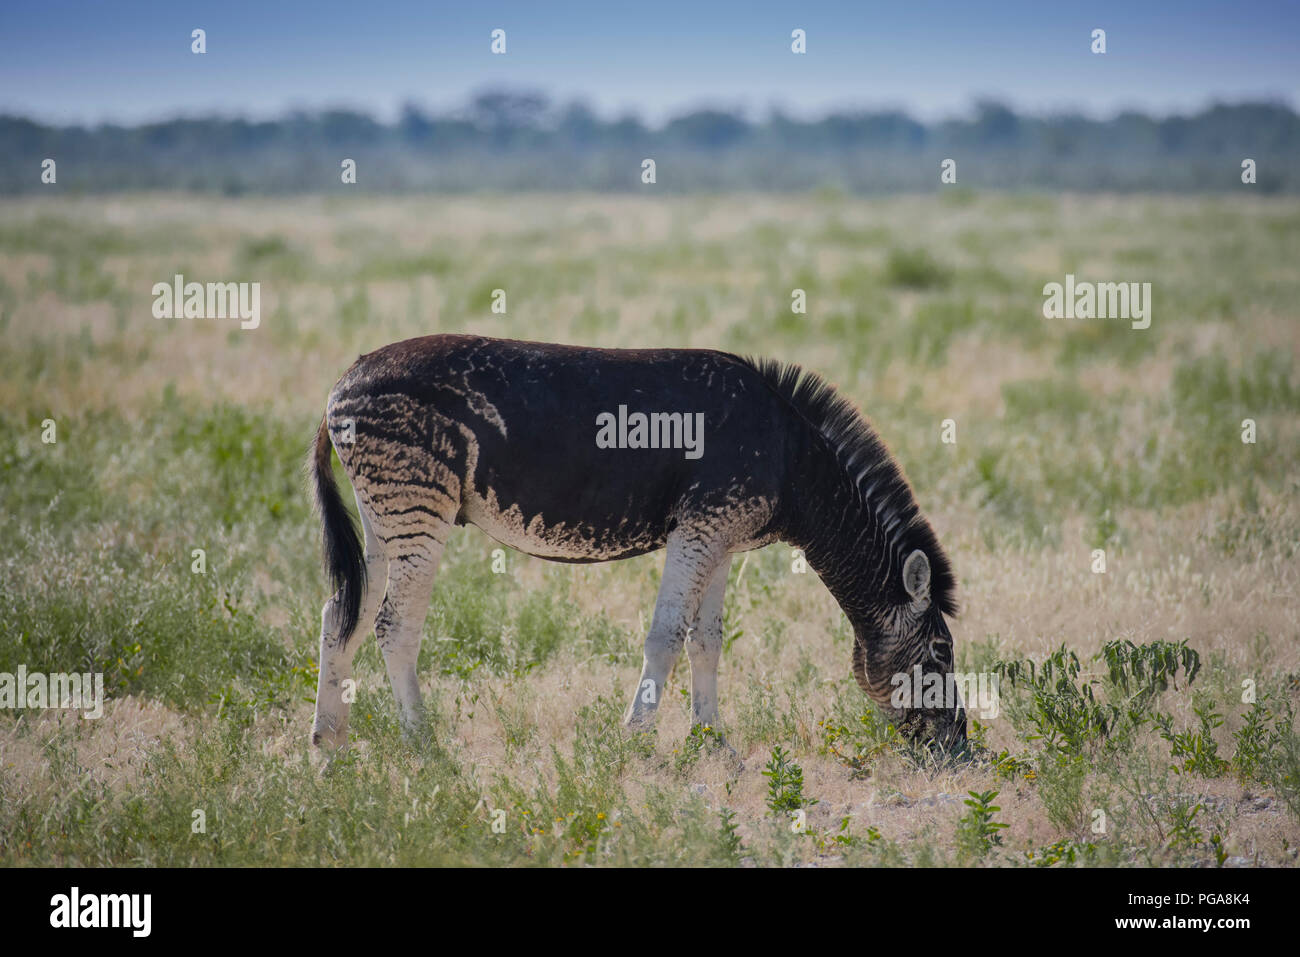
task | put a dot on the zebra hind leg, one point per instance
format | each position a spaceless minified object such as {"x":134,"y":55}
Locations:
{"x":335,"y":686}
{"x":407,"y":463}
{"x":399,"y":628}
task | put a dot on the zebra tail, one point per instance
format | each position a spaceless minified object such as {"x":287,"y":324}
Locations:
{"x":344,"y":555}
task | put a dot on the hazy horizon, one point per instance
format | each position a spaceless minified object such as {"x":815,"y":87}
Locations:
{"x":756,"y":116}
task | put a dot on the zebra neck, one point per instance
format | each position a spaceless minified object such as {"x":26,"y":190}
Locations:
{"x":843,"y":542}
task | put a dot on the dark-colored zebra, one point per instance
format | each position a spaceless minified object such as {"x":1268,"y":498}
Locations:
{"x":584,"y":455}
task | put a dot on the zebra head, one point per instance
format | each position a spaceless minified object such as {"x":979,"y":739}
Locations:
{"x":906,"y":666}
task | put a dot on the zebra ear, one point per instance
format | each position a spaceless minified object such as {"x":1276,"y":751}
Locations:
{"x":916,"y":576}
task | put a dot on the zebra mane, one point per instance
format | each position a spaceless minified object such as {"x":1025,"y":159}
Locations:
{"x":881,"y":484}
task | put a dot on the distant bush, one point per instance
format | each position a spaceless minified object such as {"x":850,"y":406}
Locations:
{"x":915,"y":269}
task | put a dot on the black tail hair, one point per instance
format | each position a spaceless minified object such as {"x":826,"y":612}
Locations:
{"x":344,"y":553}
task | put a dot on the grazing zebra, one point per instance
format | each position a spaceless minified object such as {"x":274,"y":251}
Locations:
{"x":585,"y":455}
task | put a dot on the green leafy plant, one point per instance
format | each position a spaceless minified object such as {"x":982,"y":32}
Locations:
{"x":1063,"y":706}
{"x":701,"y":738}
{"x":844,"y":838}
{"x":1253,"y":741}
{"x":1259,"y":739}
{"x":1147,"y":670}
{"x":784,"y":784}
{"x":729,"y":836}
{"x":1004,"y":764}
{"x":1063,"y":852}
{"x":1195,"y":748}
{"x":1220,"y":852}
{"x":1063,"y":711}
{"x":1183,"y":830}
{"x":1268,"y":750}
{"x":858,"y":739}
{"x":977,"y":832}
{"x":1009,"y":767}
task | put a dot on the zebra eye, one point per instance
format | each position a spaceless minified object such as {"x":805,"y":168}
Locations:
{"x":940,"y":648}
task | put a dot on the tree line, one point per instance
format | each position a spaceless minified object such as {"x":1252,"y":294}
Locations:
{"x":511,"y":139}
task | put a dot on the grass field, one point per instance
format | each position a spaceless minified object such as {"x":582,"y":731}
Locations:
{"x":1071,"y":436}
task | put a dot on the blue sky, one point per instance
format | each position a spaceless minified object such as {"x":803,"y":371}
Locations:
{"x":105,"y":60}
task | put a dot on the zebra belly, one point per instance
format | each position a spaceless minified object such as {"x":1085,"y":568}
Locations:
{"x":559,"y":541}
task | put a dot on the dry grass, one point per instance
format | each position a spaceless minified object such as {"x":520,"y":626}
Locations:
{"x":1202,"y":550}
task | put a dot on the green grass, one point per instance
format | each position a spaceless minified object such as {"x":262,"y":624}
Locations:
{"x":1071,"y":436}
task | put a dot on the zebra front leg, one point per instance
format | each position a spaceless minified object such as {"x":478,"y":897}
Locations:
{"x":704,"y":648}
{"x":399,"y":628}
{"x":688,"y":570}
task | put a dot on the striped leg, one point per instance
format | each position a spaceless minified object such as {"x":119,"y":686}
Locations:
{"x":399,"y":628}
{"x":692,"y":560}
{"x":407,"y":464}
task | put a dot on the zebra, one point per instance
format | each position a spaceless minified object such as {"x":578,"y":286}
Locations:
{"x":448,"y":430}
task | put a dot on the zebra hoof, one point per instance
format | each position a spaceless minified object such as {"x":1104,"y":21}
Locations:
{"x":329,"y":743}
{"x":732,"y":760}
